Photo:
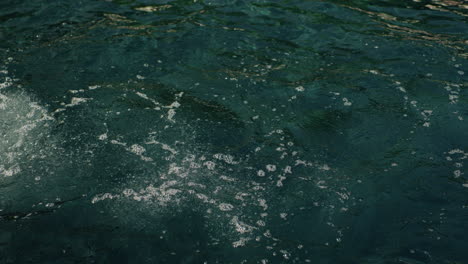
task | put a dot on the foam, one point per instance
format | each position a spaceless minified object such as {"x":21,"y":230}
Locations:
{"x":23,"y":123}
{"x":136,"y":149}
{"x":77,"y":101}
{"x":225,"y":207}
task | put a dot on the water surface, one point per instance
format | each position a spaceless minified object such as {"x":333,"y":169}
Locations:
{"x":221,"y":131}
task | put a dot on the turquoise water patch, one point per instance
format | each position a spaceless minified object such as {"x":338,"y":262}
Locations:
{"x":233,"y":132}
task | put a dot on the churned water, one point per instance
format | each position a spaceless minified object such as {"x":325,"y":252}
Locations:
{"x":230,"y":131}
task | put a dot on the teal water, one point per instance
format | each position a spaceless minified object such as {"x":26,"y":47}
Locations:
{"x":222,"y":131}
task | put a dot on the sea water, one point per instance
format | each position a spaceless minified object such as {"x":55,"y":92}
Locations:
{"x":222,"y":131}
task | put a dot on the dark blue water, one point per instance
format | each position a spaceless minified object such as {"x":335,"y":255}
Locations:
{"x":222,"y":131}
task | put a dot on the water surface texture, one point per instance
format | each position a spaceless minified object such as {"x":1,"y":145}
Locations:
{"x":223,"y":131}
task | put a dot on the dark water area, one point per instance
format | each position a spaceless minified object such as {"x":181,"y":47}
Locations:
{"x":222,"y":131}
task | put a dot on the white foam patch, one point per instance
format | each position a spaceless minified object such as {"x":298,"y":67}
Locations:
{"x":300,"y":88}
{"x":6,"y":83}
{"x":226,"y":158}
{"x":8,"y":172}
{"x":162,"y":194}
{"x":221,"y":186}
{"x":225,"y":207}
{"x":458,"y":158}
{"x":157,"y":105}
{"x":271,"y":167}
{"x":163,"y":145}
{"x":240,"y":226}
{"x":135,"y":149}
{"x":172,"y":107}
{"x":77,"y":101}
{"x":103,"y":136}
{"x":241,"y":242}
{"x":346,"y":102}
{"x":261,"y":173}
{"x":23,"y":123}
{"x":209,"y":164}
{"x":104,"y":196}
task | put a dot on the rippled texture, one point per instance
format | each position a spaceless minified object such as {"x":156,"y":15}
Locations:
{"x":233,"y":131}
